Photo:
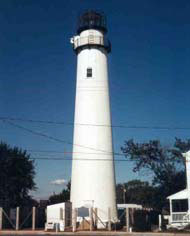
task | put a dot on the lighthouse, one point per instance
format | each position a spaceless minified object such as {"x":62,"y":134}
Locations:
{"x":93,"y":172}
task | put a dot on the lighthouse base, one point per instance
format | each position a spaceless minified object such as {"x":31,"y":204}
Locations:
{"x":88,"y":218}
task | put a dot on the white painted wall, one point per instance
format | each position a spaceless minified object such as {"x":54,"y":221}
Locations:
{"x":187,"y":158}
{"x":58,"y":214}
{"x":93,"y":174}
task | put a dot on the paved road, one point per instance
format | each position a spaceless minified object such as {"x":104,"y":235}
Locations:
{"x":85,"y":233}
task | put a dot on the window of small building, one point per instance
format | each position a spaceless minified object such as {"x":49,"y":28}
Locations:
{"x":180,"y":205}
{"x":89,"y":72}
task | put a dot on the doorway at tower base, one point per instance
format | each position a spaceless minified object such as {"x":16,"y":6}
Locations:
{"x":88,"y":218}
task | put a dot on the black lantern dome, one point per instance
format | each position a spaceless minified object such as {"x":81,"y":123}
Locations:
{"x":91,"y":20}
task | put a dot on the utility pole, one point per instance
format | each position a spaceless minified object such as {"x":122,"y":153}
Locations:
{"x":124,"y":193}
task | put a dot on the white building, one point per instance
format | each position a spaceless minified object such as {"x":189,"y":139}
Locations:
{"x":129,"y":205}
{"x":180,"y":202}
{"x":93,"y":174}
{"x":58,"y":216}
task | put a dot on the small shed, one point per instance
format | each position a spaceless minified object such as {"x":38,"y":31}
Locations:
{"x":59,"y":216}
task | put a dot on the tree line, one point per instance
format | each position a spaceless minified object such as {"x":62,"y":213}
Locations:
{"x":165,"y":166}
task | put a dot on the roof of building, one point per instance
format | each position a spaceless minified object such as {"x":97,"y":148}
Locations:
{"x":184,"y":194}
{"x":91,"y":19}
{"x":129,"y":205}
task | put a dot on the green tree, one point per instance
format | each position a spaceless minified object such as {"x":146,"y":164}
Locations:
{"x":165,"y":164}
{"x":137,"y":192}
{"x":17,"y":173}
{"x":64,"y":196}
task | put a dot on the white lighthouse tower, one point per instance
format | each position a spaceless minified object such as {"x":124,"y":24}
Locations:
{"x":93,"y":174}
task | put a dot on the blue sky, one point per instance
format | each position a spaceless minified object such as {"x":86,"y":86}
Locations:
{"x":148,"y":72}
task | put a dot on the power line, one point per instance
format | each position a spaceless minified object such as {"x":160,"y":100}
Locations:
{"x":81,"y":159}
{"x":52,"y":138}
{"x":62,"y":152}
{"x":59,"y":140}
{"x":98,"y":125}
{"x":62,"y":141}
{"x":88,"y":159}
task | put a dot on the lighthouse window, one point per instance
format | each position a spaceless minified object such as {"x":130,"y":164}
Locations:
{"x":89,"y":72}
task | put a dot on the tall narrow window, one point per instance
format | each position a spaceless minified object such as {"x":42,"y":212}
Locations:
{"x":89,"y":72}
